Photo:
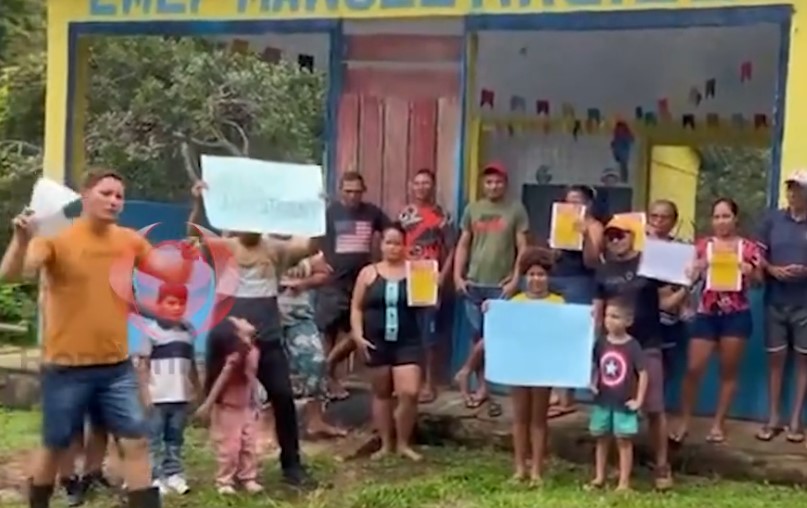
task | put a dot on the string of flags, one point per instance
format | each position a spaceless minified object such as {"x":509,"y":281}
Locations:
{"x":594,"y":120}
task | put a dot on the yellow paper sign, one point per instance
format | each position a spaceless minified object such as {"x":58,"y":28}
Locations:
{"x":564,"y":233}
{"x":638,"y":225}
{"x":421,"y":283}
{"x":724,"y":272}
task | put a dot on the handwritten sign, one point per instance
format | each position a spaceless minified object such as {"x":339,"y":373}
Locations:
{"x":421,"y":282}
{"x":256,"y":196}
{"x":538,"y":344}
{"x":667,"y":261}
{"x":564,"y":232}
{"x":290,"y":9}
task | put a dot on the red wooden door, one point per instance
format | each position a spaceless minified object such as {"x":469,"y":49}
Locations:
{"x":400,"y":112}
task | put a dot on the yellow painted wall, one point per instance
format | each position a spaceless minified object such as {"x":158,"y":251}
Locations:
{"x":673,"y":175}
{"x":794,"y":145}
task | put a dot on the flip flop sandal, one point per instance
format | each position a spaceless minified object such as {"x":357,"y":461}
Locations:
{"x":768,"y":433}
{"x":494,"y":409}
{"x":678,"y":438}
{"x":795,"y":436}
{"x":472,"y":402}
{"x":715,"y":438}
{"x":558,"y":411}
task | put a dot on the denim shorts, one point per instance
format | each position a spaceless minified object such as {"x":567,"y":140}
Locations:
{"x":427,"y":322}
{"x":715,"y":326}
{"x":108,"y":394}
{"x":474,"y":296}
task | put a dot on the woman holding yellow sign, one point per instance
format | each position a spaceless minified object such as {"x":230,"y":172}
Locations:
{"x":728,"y":263}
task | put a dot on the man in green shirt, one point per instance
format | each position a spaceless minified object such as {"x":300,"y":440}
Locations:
{"x":493,"y":238}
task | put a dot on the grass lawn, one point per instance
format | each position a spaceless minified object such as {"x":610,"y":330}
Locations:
{"x":449,"y":478}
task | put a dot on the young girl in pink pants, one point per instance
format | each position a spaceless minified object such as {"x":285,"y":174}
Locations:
{"x":231,"y":387}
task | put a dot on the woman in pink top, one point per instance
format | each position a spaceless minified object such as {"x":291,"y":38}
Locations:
{"x":231,"y":385}
{"x":723,"y":319}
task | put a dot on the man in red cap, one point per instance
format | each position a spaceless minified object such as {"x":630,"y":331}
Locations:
{"x":493,"y":238}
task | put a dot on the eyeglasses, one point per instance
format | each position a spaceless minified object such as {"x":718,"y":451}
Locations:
{"x":615,"y":235}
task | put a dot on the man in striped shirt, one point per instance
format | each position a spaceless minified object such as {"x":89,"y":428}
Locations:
{"x":351,"y":225}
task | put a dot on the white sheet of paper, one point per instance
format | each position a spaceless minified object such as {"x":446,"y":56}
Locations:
{"x":49,"y":197}
{"x":666,"y":261}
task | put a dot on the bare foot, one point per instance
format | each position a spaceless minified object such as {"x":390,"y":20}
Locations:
{"x":595,"y":484}
{"x":623,"y":487}
{"x":536,"y":480}
{"x":409,"y":453}
{"x":325,"y":430}
{"x":519,"y":476}
{"x":461,"y":380}
{"x":381,"y":454}
{"x":336,"y":391}
{"x":427,"y":395}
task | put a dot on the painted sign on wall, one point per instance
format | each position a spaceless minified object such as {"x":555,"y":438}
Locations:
{"x":288,"y":9}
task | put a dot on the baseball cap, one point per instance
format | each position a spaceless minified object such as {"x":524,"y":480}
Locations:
{"x":494,"y":168}
{"x":798,"y":177}
{"x":621,"y":223}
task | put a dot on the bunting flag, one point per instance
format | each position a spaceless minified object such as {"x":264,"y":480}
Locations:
{"x":650,"y":118}
{"x":738,"y":120}
{"x":567,"y":110}
{"x":709,"y":89}
{"x":576,"y":129}
{"x":663,"y":108}
{"x":517,"y":103}
{"x":306,"y":62}
{"x":695,"y":96}
{"x":746,"y":71}
{"x":688,"y":120}
{"x":270,"y":55}
{"x":542,"y":107}
{"x":593,"y":115}
{"x":639,"y":112}
{"x":486,"y":98}
{"x":760,"y":120}
{"x":712,"y":120}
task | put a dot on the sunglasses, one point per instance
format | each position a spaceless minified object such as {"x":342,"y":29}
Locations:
{"x":614,"y":235}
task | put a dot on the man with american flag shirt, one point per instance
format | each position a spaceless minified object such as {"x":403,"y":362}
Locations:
{"x":351,"y":225}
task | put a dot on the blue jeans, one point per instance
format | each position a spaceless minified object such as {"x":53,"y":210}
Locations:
{"x":107,"y":392}
{"x":168,"y":423}
{"x":577,"y":289}
{"x":474,"y":296}
{"x":427,"y":322}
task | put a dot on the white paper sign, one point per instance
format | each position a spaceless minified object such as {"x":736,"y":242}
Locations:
{"x":666,"y":261}
{"x":257,"y":196}
{"x":49,"y":198}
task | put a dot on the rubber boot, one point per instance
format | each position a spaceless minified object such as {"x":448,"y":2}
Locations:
{"x":39,"y":495}
{"x":145,"y":498}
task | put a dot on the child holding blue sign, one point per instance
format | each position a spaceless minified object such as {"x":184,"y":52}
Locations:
{"x":619,"y":383}
{"x":531,"y":403}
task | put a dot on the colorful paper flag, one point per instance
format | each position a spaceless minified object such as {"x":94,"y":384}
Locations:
{"x":663,"y":107}
{"x":688,"y":120}
{"x":593,"y":115}
{"x":710,"y":88}
{"x":306,"y":62}
{"x":650,"y":118}
{"x":712,"y":119}
{"x":486,"y":98}
{"x":760,"y":120}
{"x":517,"y":103}
{"x":542,"y":107}
{"x":639,"y":113}
{"x":746,"y":71}
{"x":695,"y":96}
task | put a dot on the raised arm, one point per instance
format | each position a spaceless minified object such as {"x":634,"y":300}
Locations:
{"x":24,"y":256}
{"x":592,"y":243}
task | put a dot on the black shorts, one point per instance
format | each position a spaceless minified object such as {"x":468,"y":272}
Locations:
{"x":392,"y":354}
{"x":332,"y":312}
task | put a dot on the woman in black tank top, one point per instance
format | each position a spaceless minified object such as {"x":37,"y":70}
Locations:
{"x":386,"y":332}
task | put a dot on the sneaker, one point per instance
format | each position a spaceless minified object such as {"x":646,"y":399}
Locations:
{"x":74,"y":490}
{"x":178,"y":484}
{"x":253,"y":487}
{"x":226,"y":490}
{"x":160,"y":485}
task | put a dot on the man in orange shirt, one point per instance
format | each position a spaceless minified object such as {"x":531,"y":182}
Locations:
{"x":428,"y":236}
{"x":85,"y":362}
